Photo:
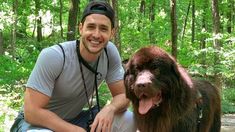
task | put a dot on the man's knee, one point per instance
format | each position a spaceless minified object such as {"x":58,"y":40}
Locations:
{"x":23,"y":126}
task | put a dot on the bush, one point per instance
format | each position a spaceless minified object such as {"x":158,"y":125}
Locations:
{"x":228,"y":100}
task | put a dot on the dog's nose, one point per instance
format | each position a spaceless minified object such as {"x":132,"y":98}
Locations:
{"x":142,"y":85}
{"x":143,"y":79}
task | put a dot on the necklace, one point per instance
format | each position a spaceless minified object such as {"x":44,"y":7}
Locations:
{"x":97,"y":75}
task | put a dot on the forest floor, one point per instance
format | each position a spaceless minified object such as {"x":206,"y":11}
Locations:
{"x":228,"y":123}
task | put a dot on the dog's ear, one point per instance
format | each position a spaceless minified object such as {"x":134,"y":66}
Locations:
{"x":128,"y":81}
{"x":181,"y":74}
{"x":185,"y":76}
{"x":183,"y":84}
{"x":124,"y":63}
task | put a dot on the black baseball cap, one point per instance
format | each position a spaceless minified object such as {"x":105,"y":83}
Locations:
{"x":99,"y":7}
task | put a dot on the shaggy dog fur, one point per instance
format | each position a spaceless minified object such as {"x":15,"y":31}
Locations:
{"x":166,"y":99}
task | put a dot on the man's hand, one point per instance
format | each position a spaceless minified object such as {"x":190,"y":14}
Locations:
{"x":104,"y":119}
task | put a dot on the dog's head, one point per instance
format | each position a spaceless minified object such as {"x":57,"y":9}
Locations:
{"x":153,"y":79}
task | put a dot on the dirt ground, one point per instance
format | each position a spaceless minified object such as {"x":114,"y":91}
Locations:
{"x":228,"y":123}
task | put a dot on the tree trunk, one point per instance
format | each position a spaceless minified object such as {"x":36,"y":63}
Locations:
{"x":1,"y":43}
{"x":22,"y":20}
{"x":186,"y":20}
{"x":233,"y":13}
{"x":142,"y":6}
{"x":151,"y":18}
{"x":203,"y":38}
{"x":142,"y":13}
{"x":61,"y":21}
{"x":14,"y":26}
{"x":193,"y":21}
{"x":174,"y":28}
{"x":39,"y":20}
{"x":72,"y":21}
{"x":34,"y":27}
{"x":217,"y":43}
{"x":117,"y":39}
{"x":229,"y":16}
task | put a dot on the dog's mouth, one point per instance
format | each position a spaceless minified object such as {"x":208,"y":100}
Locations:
{"x":146,"y":103}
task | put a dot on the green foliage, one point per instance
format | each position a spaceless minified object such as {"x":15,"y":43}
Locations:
{"x":135,"y":31}
{"x":226,"y":54}
{"x":9,"y":104}
{"x":5,"y":15}
{"x":12,"y":77}
{"x":14,"y":72}
{"x":104,"y":95}
{"x":229,"y":94}
{"x":228,"y":100}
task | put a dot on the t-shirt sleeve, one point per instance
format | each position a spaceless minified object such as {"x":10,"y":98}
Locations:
{"x":47,"y":68}
{"x":115,"y":70}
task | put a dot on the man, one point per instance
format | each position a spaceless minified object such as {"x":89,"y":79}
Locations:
{"x":64,"y":80}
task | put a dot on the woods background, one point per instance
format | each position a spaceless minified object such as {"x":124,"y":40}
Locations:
{"x":199,"y":33}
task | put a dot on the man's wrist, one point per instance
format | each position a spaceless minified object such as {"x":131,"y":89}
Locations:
{"x":112,"y":107}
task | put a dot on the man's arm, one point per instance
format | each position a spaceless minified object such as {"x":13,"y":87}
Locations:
{"x":119,"y":103}
{"x":36,"y":114}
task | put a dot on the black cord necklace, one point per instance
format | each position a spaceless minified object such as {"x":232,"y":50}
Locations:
{"x":97,"y":75}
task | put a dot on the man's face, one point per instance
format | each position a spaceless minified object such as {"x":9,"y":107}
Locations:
{"x":95,"y":32}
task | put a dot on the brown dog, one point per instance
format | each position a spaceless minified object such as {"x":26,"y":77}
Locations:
{"x":164,"y":97}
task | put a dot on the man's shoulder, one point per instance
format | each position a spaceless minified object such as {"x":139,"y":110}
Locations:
{"x":68,"y":42}
{"x":111,"y":45}
{"x":112,"y":49}
{"x":67,"y":46}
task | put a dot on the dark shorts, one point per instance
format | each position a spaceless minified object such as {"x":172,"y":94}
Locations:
{"x":84,"y":119}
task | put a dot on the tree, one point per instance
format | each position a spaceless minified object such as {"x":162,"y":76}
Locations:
{"x":22,"y":20}
{"x":217,"y":44}
{"x":229,"y":16}
{"x":14,"y":26}
{"x":72,"y":21}
{"x":193,"y":21}
{"x":39,"y":20}
{"x":117,"y":39}
{"x":186,"y":20}
{"x":142,"y":13}
{"x":151,"y":18}
{"x":173,"y":28}
{"x":61,"y":22}
{"x":1,"y":43}
{"x":203,"y":38}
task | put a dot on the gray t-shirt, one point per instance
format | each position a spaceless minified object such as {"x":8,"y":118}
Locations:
{"x":67,"y":93}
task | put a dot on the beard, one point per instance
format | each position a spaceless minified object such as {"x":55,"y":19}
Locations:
{"x":85,"y":44}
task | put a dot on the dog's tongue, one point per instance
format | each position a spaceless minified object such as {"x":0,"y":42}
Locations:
{"x":145,"y":105}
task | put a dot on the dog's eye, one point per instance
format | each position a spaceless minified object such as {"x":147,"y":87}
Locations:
{"x":127,"y":71}
{"x":139,"y":67}
{"x":134,"y":71}
{"x":153,"y":66}
{"x":157,"y":71}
